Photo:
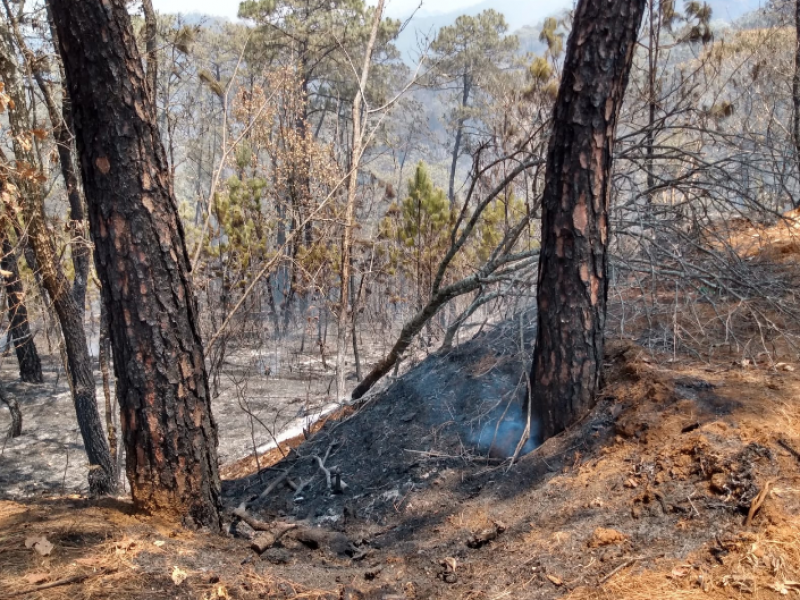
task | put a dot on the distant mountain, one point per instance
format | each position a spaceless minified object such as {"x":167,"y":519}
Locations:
{"x":518,"y":13}
{"x":730,"y":10}
{"x":529,"y":13}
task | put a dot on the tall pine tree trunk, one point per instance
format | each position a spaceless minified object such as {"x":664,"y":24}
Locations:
{"x":573,"y":282}
{"x":30,"y":366}
{"x":451,"y":189}
{"x":140,"y":253}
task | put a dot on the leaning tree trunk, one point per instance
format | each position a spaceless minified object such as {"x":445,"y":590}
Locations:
{"x":60,"y":121}
{"x":573,"y":282}
{"x":102,"y":478}
{"x":70,"y":317}
{"x":169,"y":434}
{"x":30,"y":367}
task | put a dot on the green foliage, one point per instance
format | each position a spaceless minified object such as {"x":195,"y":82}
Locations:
{"x":319,"y":37}
{"x":418,"y":232}
{"x":242,"y":227}
{"x":418,"y":229}
{"x":425,"y":212}
{"x":495,"y":220}
{"x":552,"y":37}
{"x":540,"y":70}
{"x":476,"y":48}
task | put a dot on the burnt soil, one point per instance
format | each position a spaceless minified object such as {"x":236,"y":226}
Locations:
{"x":647,"y":497}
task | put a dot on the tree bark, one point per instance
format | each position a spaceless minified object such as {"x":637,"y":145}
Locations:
{"x":573,"y":283}
{"x":140,"y":253}
{"x":30,"y":366}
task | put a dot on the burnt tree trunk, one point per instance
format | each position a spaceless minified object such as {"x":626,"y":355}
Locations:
{"x":30,"y":367}
{"x":102,"y":478}
{"x":62,"y":132}
{"x":162,"y":385}
{"x":573,"y":283}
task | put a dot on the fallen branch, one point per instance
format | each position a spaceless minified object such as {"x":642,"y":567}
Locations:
{"x":275,"y":483}
{"x":332,"y":476}
{"x":58,"y":583}
{"x":267,"y":491}
{"x":259,"y":525}
{"x":256,"y":524}
{"x":624,"y":565}
{"x":301,"y":486}
{"x":324,"y":470}
{"x":510,"y":263}
{"x":785,"y":445}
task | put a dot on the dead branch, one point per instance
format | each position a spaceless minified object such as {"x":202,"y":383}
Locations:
{"x":616,"y":570}
{"x":59,"y":582}
{"x":333,"y":478}
{"x":758,"y":502}
{"x":258,"y":525}
{"x":785,"y":445}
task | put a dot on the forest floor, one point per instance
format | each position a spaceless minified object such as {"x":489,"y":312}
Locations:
{"x":251,"y":409}
{"x":683,"y":482}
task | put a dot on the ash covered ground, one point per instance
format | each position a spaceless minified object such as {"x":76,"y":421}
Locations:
{"x":455,"y":408}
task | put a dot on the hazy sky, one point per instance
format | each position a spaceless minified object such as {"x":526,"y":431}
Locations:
{"x":228,"y":8}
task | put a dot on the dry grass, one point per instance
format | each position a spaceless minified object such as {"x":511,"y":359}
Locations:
{"x":761,"y":561}
{"x":762,"y":565}
{"x":101,"y":550}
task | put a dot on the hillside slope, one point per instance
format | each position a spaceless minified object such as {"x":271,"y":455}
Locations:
{"x":684,"y":482}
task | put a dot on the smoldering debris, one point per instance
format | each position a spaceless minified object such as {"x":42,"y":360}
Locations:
{"x":499,"y":437}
